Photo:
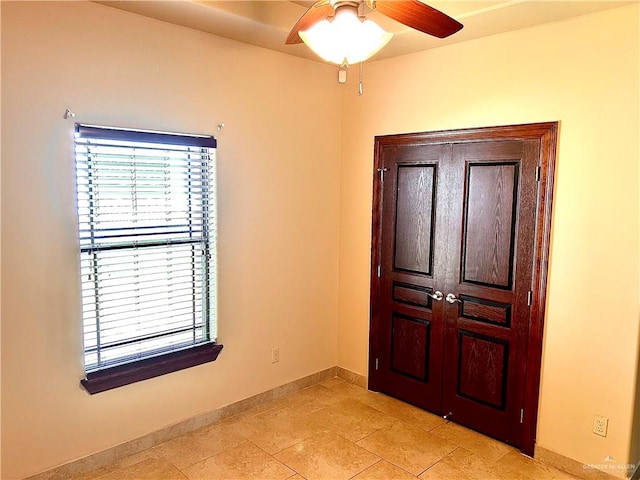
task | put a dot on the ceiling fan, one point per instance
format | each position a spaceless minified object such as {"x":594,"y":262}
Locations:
{"x":337,"y":32}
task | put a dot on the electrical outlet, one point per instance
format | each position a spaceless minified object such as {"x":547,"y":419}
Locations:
{"x":275,"y":355}
{"x":600,"y":425}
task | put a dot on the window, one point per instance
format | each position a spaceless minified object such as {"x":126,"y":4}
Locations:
{"x":147,"y":229}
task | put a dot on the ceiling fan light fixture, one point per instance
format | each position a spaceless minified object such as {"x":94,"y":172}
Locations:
{"x":346,"y":37}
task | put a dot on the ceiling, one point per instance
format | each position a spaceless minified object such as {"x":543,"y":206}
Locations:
{"x":266,"y":23}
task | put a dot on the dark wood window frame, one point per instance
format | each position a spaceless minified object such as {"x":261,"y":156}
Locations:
{"x":121,"y":375}
{"x":118,"y":375}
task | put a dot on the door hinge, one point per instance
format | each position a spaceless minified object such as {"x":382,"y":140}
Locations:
{"x":379,"y":270}
{"x":538,"y":172}
{"x":522,"y":415}
{"x":530,"y":298}
{"x":381,"y":172}
{"x":377,"y":364}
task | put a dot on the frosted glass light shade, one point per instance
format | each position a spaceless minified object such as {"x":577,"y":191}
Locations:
{"x":345,"y":38}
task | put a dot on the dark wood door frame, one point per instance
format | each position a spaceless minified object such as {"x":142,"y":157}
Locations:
{"x":547,"y":133}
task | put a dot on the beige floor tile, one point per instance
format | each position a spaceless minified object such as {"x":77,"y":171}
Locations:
{"x":277,"y":429}
{"x":344,"y":389}
{"x":484,"y":446}
{"x":384,"y":470}
{"x":196,"y":446}
{"x":384,"y":403}
{"x":350,"y":418}
{"x":123,"y":463}
{"x":250,"y":412}
{"x":246,"y":461}
{"x":314,"y":430}
{"x":445,"y":471}
{"x":306,"y":401}
{"x":333,"y":382}
{"x":464,"y":464}
{"x":327,"y":457}
{"x":316,"y":393}
{"x":408,"y":447}
{"x":405,"y":412}
{"x":149,"y":469}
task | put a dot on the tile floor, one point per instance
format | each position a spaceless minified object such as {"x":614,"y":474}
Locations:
{"x":334,"y":430}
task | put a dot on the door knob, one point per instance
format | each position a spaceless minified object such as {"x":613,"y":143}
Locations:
{"x":437,"y":295}
{"x":451,"y":298}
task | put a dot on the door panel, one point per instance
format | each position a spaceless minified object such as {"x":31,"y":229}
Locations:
{"x":491,"y":275}
{"x":410,"y":347}
{"x":482,"y":369}
{"x":411,"y":295}
{"x":414,"y":215}
{"x":489,"y":224}
{"x":487,"y":311}
{"x":411,"y":328}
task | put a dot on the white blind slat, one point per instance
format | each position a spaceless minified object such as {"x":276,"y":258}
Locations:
{"x":146,"y":224}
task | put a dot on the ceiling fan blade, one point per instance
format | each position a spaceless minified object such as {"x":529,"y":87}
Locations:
{"x":417,"y":15}
{"x":317,"y":12}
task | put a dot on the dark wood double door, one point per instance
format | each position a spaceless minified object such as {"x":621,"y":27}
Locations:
{"x":454,"y":267}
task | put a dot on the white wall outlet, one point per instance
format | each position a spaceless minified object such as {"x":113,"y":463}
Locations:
{"x":275,"y":355}
{"x":600,"y":425}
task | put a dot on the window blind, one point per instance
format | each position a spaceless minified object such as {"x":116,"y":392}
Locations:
{"x":147,"y":228}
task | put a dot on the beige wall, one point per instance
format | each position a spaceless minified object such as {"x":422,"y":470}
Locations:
{"x":289,"y":210}
{"x":278,"y":164}
{"x":585,"y":74}
{"x":0,"y":251}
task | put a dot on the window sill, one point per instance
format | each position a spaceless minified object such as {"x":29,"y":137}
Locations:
{"x":118,"y":376}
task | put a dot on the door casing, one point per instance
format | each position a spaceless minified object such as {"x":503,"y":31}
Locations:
{"x":547,"y":133}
